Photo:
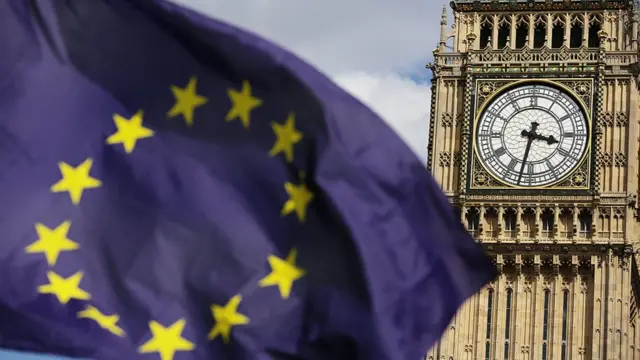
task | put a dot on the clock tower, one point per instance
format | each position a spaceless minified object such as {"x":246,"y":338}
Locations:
{"x":534,"y":138}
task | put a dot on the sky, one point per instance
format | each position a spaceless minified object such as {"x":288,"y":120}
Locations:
{"x":375,"y":49}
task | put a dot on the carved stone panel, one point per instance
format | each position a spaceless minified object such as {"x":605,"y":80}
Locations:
{"x":444,"y":159}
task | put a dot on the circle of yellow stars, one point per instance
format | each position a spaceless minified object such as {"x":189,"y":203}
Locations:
{"x":76,"y":180}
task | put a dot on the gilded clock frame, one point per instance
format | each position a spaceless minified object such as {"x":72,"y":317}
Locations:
{"x":486,"y":91}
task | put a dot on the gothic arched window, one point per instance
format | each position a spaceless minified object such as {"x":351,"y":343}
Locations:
{"x":507,"y":324}
{"x":504,"y":29}
{"x":565,"y":306}
{"x":557,"y":34}
{"x":545,"y":324}
{"x":522,"y":31}
{"x":595,"y":25}
{"x":547,"y":220}
{"x":539,"y":32}
{"x":487,"y":346}
{"x":510,"y":220}
{"x":486,"y":29}
{"x":586,"y":218}
{"x":473,"y":218}
{"x":576,"y":32}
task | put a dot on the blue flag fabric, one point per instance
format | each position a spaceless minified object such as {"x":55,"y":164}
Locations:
{"x":172,"y":187}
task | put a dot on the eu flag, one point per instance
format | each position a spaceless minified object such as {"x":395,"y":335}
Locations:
{"x":172,"y":187}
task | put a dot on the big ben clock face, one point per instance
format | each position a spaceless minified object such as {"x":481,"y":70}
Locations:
{"x":532,"y":136}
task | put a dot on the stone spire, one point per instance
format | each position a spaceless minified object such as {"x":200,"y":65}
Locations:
{"x":443,"y":29}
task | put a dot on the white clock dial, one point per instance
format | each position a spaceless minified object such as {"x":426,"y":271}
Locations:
{"x":533,"y":135}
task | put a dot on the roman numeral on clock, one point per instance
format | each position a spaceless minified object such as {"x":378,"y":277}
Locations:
{"x":565,"y":153}
{"x":512,"y":164}
{"x":499,"y":152}
{"x":552,"y":169}
{"x":513,"y":102}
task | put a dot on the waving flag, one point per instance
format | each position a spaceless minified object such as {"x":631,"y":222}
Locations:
{"x":172,"y":187}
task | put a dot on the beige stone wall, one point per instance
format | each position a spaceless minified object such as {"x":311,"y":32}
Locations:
{"x":446,"y":144}
{"x":592,"y":321}
{"x":614,"y":150}
{"x":588,"y":253}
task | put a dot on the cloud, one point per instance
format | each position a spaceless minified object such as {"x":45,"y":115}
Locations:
{"x":400,"y":100}
{"x":338,"y":35}
{"x":367,"y":47}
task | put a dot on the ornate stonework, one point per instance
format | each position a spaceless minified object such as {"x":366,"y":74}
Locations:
{"x":566,"y":253}
{"x":495,"y":6}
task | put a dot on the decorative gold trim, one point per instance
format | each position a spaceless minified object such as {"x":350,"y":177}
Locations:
{"x":464,"y":135}
{"x":497,"y":199}
{"x":432,"y":121}
{"x":496,"y":92}
{"x":585,"y":5}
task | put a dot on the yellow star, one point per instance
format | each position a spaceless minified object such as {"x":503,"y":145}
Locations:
{"x":226,"y":317}
{"x":129,"y":131}
{"x":51,"y":242}
{"x":286,"y":137}
{"x":166,"y":340}
{"x":283,"y":273}
{"x":187,"y":100}
{"x":75,"y":180}
{"x":107,"y":322}
{"x":299,"y":199}
{"x":242,"y":104}
{"x":64,"y":289}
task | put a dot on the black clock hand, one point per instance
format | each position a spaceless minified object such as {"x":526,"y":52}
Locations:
{"x":549,"y":139}
{"x":532,"y":132}
{"x":526,"y":155}
{"x":530,"y":135}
